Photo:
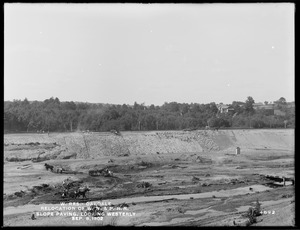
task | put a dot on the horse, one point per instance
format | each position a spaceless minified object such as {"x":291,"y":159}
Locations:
{"x":49,"y":167}
{"x":82,"y":191}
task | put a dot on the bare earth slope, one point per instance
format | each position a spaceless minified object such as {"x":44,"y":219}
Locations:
{"x":94,"y":145}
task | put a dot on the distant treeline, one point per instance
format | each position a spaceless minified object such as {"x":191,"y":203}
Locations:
{"x":53,"y":115}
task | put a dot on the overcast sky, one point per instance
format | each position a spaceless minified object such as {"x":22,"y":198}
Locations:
{"x":149,"y":53}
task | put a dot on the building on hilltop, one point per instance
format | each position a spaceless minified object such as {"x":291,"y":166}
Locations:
{"x":225,"y":108}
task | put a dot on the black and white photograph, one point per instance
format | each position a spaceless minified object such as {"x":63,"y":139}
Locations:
{"x":133,"y":114}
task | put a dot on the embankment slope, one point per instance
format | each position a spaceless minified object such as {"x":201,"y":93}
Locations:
{"x":94,"y":145}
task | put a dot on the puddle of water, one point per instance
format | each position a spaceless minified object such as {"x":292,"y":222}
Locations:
{"x":281,"y":183}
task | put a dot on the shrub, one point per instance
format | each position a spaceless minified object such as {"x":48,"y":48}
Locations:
{"x":257,"y":208}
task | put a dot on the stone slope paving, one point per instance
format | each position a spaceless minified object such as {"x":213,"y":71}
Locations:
{"x":94,"y":145}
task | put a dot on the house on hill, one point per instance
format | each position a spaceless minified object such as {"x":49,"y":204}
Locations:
{"x":225,"y":108}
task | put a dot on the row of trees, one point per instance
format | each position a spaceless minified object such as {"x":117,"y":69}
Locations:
{"x":53,"y":115}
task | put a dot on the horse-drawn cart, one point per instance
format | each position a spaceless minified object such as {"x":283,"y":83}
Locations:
{"x":101,"y":172}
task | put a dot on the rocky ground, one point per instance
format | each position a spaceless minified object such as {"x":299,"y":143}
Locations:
{"x":165,"y":178}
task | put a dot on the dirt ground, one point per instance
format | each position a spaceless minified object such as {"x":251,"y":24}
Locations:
{"x":161,"y":178}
